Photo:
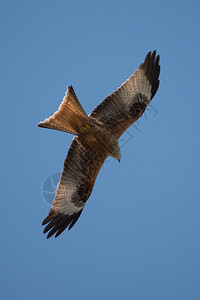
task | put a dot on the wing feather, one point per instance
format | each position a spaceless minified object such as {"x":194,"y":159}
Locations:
{"x":80,"y":170}
{"x":125,"y":105}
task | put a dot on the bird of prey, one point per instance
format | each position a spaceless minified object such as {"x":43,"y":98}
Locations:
{"x":96,"y":138}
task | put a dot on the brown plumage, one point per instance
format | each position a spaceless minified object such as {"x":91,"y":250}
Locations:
{"x":97,"y":138}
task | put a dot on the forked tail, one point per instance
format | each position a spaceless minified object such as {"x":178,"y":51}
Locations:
{"x":70,"y":116}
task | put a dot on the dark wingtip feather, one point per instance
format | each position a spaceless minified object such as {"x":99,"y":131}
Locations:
{"x":52,"y":214}
{"x":45,"y":221}
{"x":75,"y":219}
{"x":59,"y":222}
{"x":152,"y":70}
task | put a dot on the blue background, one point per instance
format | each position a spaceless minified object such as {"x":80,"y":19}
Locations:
{"x":139,"y":234}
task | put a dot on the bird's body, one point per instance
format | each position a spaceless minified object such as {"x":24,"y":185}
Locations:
{"x":97,"y":138}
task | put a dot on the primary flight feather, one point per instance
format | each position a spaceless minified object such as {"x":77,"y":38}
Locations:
{"x":96,"y":138}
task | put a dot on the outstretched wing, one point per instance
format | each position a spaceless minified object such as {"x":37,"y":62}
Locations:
{"x":125,"y":105}
{"x":80,"y":170}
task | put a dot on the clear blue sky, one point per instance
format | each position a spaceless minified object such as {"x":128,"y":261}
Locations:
{"x":139,"y":235}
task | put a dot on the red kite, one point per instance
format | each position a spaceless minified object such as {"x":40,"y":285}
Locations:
{"x":96,"y":138}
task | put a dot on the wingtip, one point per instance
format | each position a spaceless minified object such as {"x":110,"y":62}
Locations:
{"x":157,"y":59}
{"x":151,"y":68}
{"x":154,"y":53}
{"x":59,"y":222}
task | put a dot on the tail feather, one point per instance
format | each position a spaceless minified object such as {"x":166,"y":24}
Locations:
{"x":70,"y":115}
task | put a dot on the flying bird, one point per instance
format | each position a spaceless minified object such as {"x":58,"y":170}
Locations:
{"x":96,"y":138}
